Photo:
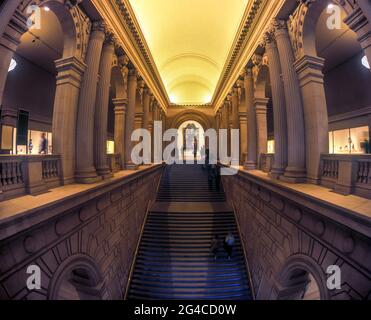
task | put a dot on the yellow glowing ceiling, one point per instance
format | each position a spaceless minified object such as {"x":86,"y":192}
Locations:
{"x":190,"y":41}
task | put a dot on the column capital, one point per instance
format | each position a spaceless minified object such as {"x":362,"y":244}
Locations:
{"x":70,"y":70}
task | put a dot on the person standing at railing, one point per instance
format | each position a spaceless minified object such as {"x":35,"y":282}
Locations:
{"x":43,"y":144}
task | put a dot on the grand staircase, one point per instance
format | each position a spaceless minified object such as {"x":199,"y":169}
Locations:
{"x":174,"y":259}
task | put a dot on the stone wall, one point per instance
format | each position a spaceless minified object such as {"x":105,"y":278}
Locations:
{"x":289,"y":237}
{"x":89,"y":239}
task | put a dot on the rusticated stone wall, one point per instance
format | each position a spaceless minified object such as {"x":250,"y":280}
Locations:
{"x":89,"y":238}
{"x":288,"y":235}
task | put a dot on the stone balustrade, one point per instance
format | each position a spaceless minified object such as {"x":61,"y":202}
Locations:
{"x":28,"y":174}
{"x":347,"y":174}
{"x":94,"y":229}
{"x":289,"y":235}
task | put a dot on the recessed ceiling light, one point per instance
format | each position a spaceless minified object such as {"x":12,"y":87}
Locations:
{"x":365,"y":62}
{"x":47,"y":9}
{"x":330,"y":6}
{"x":12,"y":66}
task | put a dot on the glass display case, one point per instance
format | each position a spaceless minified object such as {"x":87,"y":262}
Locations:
{"x":35,"y":139}
{"x":271,"y":146}
{"x":110,"y":147}
{"x":349,"y":141}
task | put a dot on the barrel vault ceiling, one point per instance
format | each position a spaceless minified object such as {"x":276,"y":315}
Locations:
{"x":190,"y":41}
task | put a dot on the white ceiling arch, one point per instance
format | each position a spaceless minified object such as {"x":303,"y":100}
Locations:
{"x":190,"y":41}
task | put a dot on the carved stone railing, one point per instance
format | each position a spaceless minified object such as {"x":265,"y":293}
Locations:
{"x":94,"y":229}
{"x":114,"y":162}
{"x":28,"y":174}
{"x":266,"y":162}
{"x":347,"y":174}
{"x":288,"y":232}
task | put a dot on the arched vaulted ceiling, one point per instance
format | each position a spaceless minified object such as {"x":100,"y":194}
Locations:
{"x":190,"y":41}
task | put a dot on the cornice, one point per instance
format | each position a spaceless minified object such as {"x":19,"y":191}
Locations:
{"x":119,"y":15}
{"x":258,"y":15}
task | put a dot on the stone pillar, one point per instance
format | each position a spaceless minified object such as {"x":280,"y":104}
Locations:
{"x":146,"y":101}
{"x":251,"y":161}
{"x":295,"y":171}
{"x":85,"y":170}
{"x":138,"y":123}
{"x":9,"y":41}
{"x":235,"y":107}
{"x":310,"y":74}
{"x":101,"y":109}
{"x":120,"y":111}
{"x":130,"y":118}
{"x":70,"y":72}
{"x":242,"y":121}
{"x":279,"y":107}
{"x":260,"y":105}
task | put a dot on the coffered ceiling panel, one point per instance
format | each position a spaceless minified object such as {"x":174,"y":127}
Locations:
{"x":190,"y":41}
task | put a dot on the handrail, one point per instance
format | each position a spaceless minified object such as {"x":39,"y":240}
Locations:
{"x":133,"y":264}
{"x":244,"y":252}
{"x":247,"y":265}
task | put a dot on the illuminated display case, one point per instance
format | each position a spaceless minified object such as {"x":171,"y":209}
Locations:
{"x":271,"y":146}
{"x":35,"y":140}
{"x":110,"y":147}
{"x":350,"y":141}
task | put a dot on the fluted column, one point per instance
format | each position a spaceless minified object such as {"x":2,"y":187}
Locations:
{"x":251,"y":161}
{"x":101,"y":109}
{"x":120,"y":106}
{"x":243,"y":121}
{"x":235,"y":107}
{"x":130,"y":118}
{"x":260,"y":105}
{"x":139,"y":105}
{"x":146,"y":101}
{"x":85,"y":170}
{"x":295,"y":171}
{"x":279,"y":107}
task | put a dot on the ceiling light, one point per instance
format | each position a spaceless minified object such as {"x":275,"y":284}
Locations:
{"x":330,"y":6}
{"x":47,"y":9}
{"x":207,"y":99}
{"x":12,"y":65}
{"x":365,"y":62}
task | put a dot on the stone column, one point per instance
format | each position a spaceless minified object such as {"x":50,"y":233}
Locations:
{"x":130,"y":118}
{"x":85,"y":170}
{"x":243,"y":122}
{"x":120,"y":111}
{"x":146,"y":101}
{"x":311,"y":79}
{"x":235,"y":107}
{"x":260,"y":105}
{"x":279,"y":107}
{"x":251,"y":161}
{"x":139,"y":105}
{"x":69,"y":75}
{"x":10,"y":40}
{"x":295,"y":171}
{"x":101,"y":109}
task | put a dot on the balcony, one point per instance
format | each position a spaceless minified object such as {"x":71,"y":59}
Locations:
{"x":28,"y":174}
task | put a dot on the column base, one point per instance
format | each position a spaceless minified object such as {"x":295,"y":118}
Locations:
{"x":276,"y":173}
{"x":105,"y":173}
{"x":294,"y":175}
{"x":131,"y":166}
{"x":87,"y":177}
{"x":250,"y":166}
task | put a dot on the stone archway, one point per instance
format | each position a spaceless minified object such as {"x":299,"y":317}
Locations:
{"x":190,"y":115}
{"x":301,"y":278}
{"x":77,"y":278}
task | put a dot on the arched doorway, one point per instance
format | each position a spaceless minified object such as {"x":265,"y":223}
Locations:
{"x":30,"y":87}
{"x":191,"y":139}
